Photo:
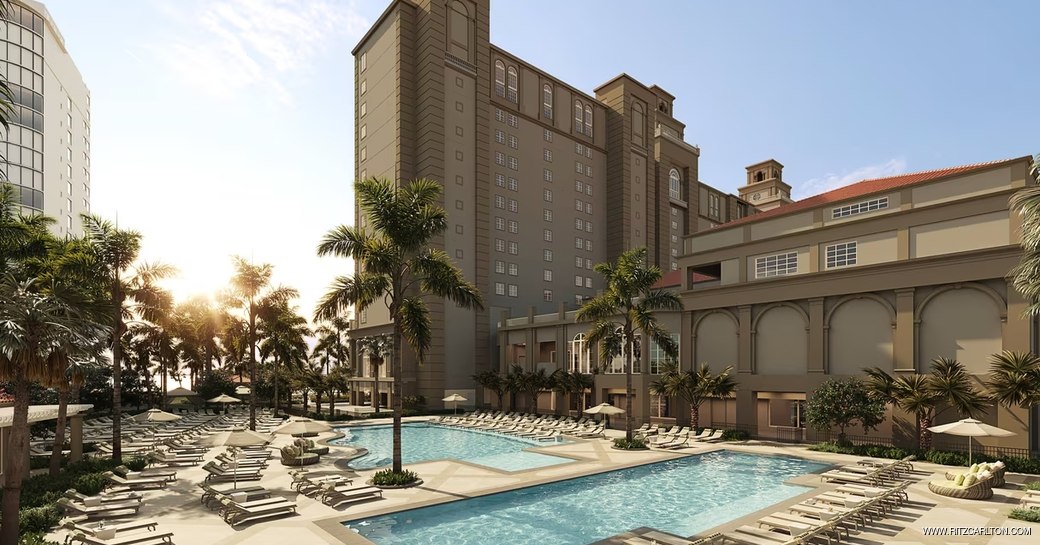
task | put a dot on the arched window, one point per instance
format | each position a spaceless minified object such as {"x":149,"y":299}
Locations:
{"x":674,"y":185}
{"x":547,"y":101}
{"x":500,"y":79}
{"x":579,"y":117}
{"x":588,"y":120}
{"x":581,"y":358}
{"x":511,"y":95}
{"x":759,"y":176}
{"x":459,"y":29}
{"x":617,"y":363}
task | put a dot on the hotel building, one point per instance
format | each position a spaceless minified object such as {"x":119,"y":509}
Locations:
{"x":541,"y":180}
{"x":47,"y":149}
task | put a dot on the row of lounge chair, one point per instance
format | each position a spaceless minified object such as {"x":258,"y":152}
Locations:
{"x":333,"y":490}
{"x":870,"y":471}
{"x":679,"y":437}
{"x":527,"y":425}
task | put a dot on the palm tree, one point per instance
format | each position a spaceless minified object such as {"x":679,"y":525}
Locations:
{"x":572,"y":383}
{"x":251,"y":291}
{"x":396,"y":264}
{"x":625,"y":310}
{"x":694,"y":386}
{"x":927,"y":396}
{"x":198,"y":325}
{"x":22,"y":237}
{"x":39,"y":333}
{"x":530,"y":383}
{"x":234,"y":342}
{"x":284,"y":335}
{"x":1026,"y":275}
{"x":1015,"y":379}
{"x":493,"y":381}
{"x":513,"y":383}
{"x":378,"y":348}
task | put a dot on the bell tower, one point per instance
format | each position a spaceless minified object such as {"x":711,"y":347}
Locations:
{"x":765,"y":188}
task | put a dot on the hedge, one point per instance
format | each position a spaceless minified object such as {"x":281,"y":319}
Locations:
{"x":1014,"y":464}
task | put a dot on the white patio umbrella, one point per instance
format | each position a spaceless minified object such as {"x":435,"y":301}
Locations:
{"x":604,"y":408}
{"x":969,"y":427}
{"x":301,"y":426}
{"x":155,"y":415}
{"x":225,"y":399}
{"x":454,"y":399}
{"x":236,"y":438}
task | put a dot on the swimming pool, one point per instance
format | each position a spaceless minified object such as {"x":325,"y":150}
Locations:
{"x":422,"y":442}
{"x":684,"y":496}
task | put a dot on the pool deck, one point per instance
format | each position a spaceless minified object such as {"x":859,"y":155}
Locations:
{"x":177,"y":508}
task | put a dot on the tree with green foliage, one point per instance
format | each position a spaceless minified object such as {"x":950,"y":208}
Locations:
{"x":1026,"y":275}
{"x":573,"y":384}
{"x":491,"y":380}
{"x":843,"y":403}
{"x":284,"y":334}
{"x":624,"y":311}
{"x":1014,"y":379}
{"x":694,"y":386}
{"x":378,"y":348}
{"x":397,"y":264}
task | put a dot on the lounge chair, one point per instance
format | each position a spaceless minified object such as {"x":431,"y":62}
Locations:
{"x":997,"y":469}
{"x":174,"y":459}
{"x":969,"y":488}
{"x":135,"y":484}
{"x":138,"y":538}
{"x":236,"y":513}
{"x":92,"y":530}
{"x":334,"y":496}
{"x":715,"y":437}
{"x":211,"y":496}
{"x":101,"y":510}
{"x":654,"y":537}
{"x":75,"y":495}
{"x":677,"y":442}
{"x":168,"y":474}
{"x":219,"y":474}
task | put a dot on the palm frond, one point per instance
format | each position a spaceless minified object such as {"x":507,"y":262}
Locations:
{"x":415,"y":324}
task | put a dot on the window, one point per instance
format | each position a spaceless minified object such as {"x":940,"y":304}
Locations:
{"x":588,"y":208}
{"x":579,"y":117}
{"x":512,"y":184}
{"x":859,"y":208}
{"x":363,"y":132}
{"x":547,"y":195}
{"x":776,"y":265}
{"x":588,"y":189}
{"x":578,"y":223}
{"x":713,"y":205}
{"x":578,"y":262}
{"x":458,"y":229}
{"x":578,"y":167}
{"x":500,"y":267}
{"x":500,"y":288}
{"x":513,"y":142}
{"x":547,"y":135}
{"x":513,"y":248}
{"x":500,"y":158}
{"x":674,"y":185}
{"x":580,"y":356}
{"x":513,"y":226}
{"x":547,"y":215}
{"x":588,"y":282}
{"x":588,"y":245}
{"x":364,"y":154}
{"x":547,"y":255}
{"x":578,"y":148}
{"x":363,"y":61}
{"x":588,"y":226}
{"x":500,"y":245}
{"x":588,"y":120}
{"x":547,"y":235}
{"x":579,"y":186}
{"x":512,"y":290}
{"x":513,"y":269}
{"x":458,"y":254}
{"x":579,"y":280}
{"x":513,"y":164}
{"x":511,"y":85}
{"x":588,"y":170}
{"x":513,"y":121}
{"x":364,"y":87}
{"x":512,"y":205}
{"x":500,"y":180}
{"x":364,"y":109}
{"x":547,"y":155}
{"x":547,"y":275}
{"x":579,"y":205}
{"x":500,"y":136}
{"x":547,"y":101}
{"x":500,"y":202}
{"x":500,"y":116}
{"x":588,"y":263}
{"x":841,"y":255}
{"x":500,"y":224}
{"x":578,"y":243}
{"x":547,"y":296}
{"x":68,"y":188}
{"x":547,"y":175}
{"x":500,"y":78}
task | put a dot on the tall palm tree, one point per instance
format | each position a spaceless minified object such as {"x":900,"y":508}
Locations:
{"x":625,"y":310}
{"x":234,"y":342}
{"x":22,"y":237}
{"x":531,"y":383}
{"x":39,"y":333}
{"x":284,"y":335}
{"x":513,"y":383}
{"x":947,"y":385}
{"x":1014,"y":379}
{"x":492,"y":381}
{"x":198,"y":325}
{"x":397,"y":265}
{"x":1026,"y":275}
{"x":251,"y":291}
{"x":694,"y":386}
{"x":378,"y":348}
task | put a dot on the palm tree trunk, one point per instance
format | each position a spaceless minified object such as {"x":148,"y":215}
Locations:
{"x":59,"y":429}
{"x":274,"y":376}
{"x":924,"y":441}
{"x":16,"y":457}
{"x":396,"y":393}
{"x":375,"y":385}
{"x":501,"y":394}
{"x":162,"y":369}
{"x":252,"y":365}
{"x":695,"y":415}
{"x":628,"y":385}
{"x":117,"y":372}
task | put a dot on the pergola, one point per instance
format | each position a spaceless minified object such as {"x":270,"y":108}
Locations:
{"x":42,"y":413}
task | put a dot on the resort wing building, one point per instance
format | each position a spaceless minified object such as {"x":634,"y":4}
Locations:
{"x":47,"y":149}
{"x":541,"y":181}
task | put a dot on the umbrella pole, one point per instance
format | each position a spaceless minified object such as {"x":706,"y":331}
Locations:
{"x":969,"y":451}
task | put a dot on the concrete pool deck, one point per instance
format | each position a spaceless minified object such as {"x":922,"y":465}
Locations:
{"x":177,"y":508}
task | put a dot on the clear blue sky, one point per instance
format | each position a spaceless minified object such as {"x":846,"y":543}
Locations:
{"x":226,"y":126}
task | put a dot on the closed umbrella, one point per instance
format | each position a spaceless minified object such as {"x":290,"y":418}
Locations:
{"x":302,"y":426}
{"x":969,"y":427}
{"x":236,"y":438}
{"x":155,"y":415}
{"x":454,"y":399}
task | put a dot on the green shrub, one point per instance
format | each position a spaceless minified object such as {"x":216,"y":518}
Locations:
{"x":1035,"y":485}
{"x":136,"y":464}
{"x":1028,"y":515}
{"x":35,"y":538}
{"x":946,"y":458}
{"x":387,"y":477}
{"x":39,"y":519}
{"x":734,"y":435}
{"x":90,"y":483}
{"x":635,"y":444}
{"x":1023,"y":465}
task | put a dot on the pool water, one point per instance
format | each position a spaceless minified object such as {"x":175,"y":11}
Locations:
{"x":684,"y":497}
{"x":422,"y":442}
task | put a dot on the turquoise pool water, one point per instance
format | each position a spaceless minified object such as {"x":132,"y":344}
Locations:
{"x":684,"y":497}
{"x":422,"y":442}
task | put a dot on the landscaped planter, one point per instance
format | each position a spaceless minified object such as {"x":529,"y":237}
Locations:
{"x":412,"y":484}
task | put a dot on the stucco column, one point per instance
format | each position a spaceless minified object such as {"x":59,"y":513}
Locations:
{"x":904,"y":336}
{"x":75,"y":437}
{"x":687,"y":338}
{"x":817,"y":337}
{"x":1016,"y":323}
{"x":529,"y":349}
{"x":745,"y":341}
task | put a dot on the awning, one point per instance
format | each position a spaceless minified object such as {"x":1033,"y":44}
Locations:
{"x":40,"y":413}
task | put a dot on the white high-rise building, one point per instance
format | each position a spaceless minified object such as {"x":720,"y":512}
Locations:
{"x":47,"y":148}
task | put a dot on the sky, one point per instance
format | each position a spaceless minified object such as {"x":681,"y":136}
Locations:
{"x":225,"y":127}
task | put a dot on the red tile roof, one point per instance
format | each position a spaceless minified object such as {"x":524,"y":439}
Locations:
{"x":670,"y":279}
{"x":867,"y":187}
